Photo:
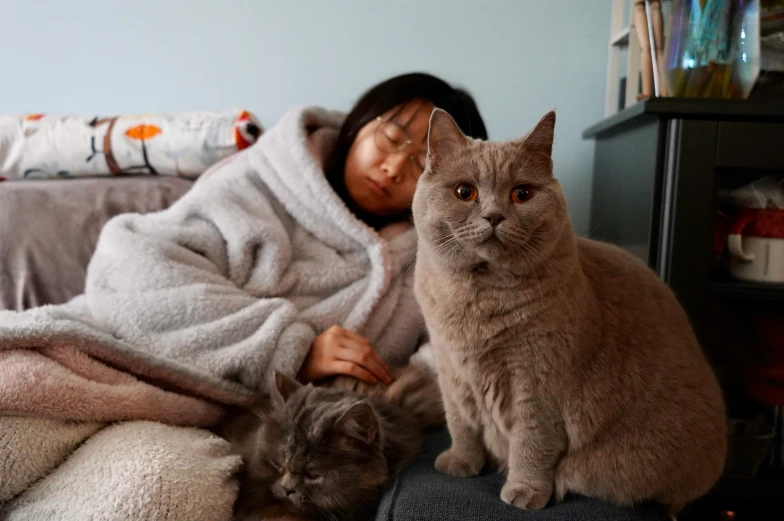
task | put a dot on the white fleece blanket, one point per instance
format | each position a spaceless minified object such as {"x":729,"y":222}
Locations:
{"x":236,"y":278}
{"x":205,"y":299}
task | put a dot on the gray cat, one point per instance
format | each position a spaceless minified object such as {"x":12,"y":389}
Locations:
{"x":327,"y":452}
{"x":564,"y":360}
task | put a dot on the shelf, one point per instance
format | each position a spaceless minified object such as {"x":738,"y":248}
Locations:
{"x":689,"y":108}
{"x":736,"y":289}
{"x":622,"y":38}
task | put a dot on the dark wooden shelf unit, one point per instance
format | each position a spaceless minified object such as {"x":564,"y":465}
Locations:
{"x":660,"y":168}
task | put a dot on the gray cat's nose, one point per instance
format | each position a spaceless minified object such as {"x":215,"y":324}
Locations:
{"x":290,"y":491}
{"x":495,"y":218}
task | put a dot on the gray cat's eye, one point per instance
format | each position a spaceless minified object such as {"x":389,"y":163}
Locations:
{"x":521,"y":194}
{"x":465,"y":192}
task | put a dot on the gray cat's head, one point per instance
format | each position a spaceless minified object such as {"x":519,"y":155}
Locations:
{"x":324,"y":450}
{"x":480,"y":202}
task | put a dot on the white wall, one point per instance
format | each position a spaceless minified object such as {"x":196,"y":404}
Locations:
{"x":519,"y":58}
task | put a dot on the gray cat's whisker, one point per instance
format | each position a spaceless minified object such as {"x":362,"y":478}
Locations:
{"x":406,"y":268}
{"x":536,"y":278}
{"x":447,"y":240}
{"x":444,"y":240}
{"x":553,"y":277}
{"x":448,"y":251}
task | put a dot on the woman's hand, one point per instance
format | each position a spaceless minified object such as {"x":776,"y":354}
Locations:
{"x":340,"y":351}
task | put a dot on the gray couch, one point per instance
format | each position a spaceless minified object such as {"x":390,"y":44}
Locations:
{"x":420,"y":493}
{"x":48,"y":230}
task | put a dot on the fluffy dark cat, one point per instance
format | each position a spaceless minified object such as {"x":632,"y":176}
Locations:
{"x":326,"y":452}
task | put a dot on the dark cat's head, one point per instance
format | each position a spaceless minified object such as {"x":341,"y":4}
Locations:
{"x":482,"y":202}
{"x":324,"y":450}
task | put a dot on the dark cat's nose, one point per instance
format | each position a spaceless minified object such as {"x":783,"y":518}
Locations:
{"x":495,"y":218}
{"x":290,"y":491}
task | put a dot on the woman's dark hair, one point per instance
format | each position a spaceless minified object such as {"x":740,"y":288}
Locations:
{"x":386,"y":96}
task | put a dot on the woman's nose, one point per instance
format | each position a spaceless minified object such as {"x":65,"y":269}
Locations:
{"x":394,"y":166}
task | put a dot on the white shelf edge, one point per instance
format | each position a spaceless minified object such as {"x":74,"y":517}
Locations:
{"x":622,"y":38}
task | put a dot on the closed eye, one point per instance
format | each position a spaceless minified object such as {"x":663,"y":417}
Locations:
{"x":276,"y":465}
{"x":312,"y":476}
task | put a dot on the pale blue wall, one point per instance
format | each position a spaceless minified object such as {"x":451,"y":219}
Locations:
{"x":520,"y":58}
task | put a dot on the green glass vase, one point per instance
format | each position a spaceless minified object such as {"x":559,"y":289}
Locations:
{"x":712,"y":48}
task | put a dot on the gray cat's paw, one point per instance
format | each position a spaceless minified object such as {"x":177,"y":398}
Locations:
{"x":527,"y":497}
{"x":449,"y":464}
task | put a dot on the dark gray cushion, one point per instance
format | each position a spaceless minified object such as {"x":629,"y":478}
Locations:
{"x":421,"y":493}
{"x":48,"y":230}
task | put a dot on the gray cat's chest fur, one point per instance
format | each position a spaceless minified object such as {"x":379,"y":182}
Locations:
{"x":479,"y":400}
{"x":485,"y":352}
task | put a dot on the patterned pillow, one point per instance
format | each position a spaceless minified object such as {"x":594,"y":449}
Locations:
{"x":178,"y":144}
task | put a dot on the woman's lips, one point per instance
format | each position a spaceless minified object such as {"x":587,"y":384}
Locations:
{"x":378,"y":187}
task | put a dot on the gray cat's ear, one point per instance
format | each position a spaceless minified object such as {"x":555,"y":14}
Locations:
{"x":543,"y":134}
{"x":540,"y":139}
{"x":536,"y":148}
{"x":285,"y":386}
{"x":359,"y":422}
{"x":444,"y":137}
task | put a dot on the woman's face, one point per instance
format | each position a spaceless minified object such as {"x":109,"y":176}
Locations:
{"x":387,"y":158}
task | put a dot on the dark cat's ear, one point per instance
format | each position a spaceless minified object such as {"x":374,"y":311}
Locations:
{"x":359,"y":422}
{"x":537,"y":146}
{"x":285,"y":385}
{"x":444,"y":137}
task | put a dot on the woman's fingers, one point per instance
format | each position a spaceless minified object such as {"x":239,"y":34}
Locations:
{"x":380,"y":361}
{"x":352,"y":343}
{"x":366,"y":360}
{"x":383,"y":364}
{"x":360,"y":343}
{"x":355,"y":336}
{"x":352,"y":369}
{"x":364,"y":354}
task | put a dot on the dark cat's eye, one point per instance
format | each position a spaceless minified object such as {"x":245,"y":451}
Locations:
{"x":521,"y":194}
{"x":465,"y":192}
{"x":311,"y":476}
